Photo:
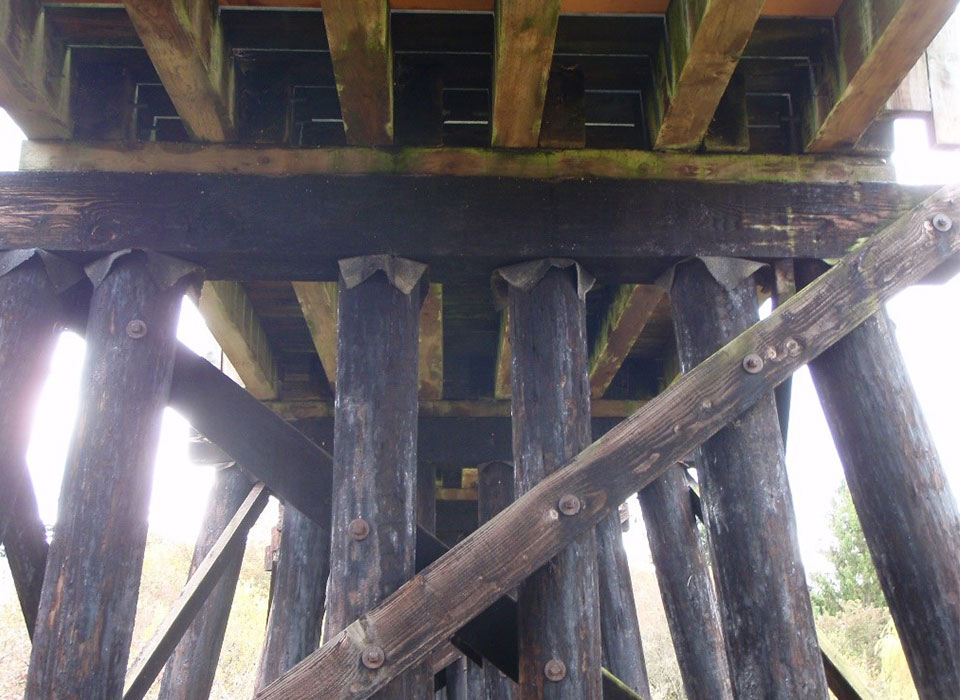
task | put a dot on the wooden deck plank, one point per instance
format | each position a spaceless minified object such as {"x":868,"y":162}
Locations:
{"x":524,"y":35}
{"x":879,"y":43}
{"x":188,"y":49}
{"x":693,"y":69}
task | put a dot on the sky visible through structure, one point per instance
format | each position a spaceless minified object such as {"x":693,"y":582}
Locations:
{"x":928,"y":328}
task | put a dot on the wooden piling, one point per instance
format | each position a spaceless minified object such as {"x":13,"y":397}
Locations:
{"x":299,"y":592}
{"x":25,"y":544}
{"x":375,"y":461}
{"x":900,"y":491}
{"x":686,"y":587}
{"x":89,"y":599}
{"x":559,"y":625}
{"x":494,"y":493}
{"x":191,"y":669}
{"x":29,"y":317}
{"x":619,"y":623}
{"x":764,"y":604}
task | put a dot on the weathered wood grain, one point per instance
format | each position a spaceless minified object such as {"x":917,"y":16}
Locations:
{"x":686,"y":587}
{"x":219,"y":557}
{"x":909,"y":516}
{"x":879,"y":43}
{"x":481,"y":567}
{"x":358,"y":33}
{"x":495,"y":489}
{"x":34,"y":72}
{"x":764,"y":604}
{"x":93,"y":571}
{"x":236,"y":327}
{"x":943,"y":60}
{"x":299,"y":582}
{"x":25,"y":546}
{"x":558,"y":605}
{"x":297,"y":227}
{"x":455,"y":409}
{"x":524,"y":34}
{"x":29,"y":320}
{"x":430,"y":362}
{"x":623,"y":321}
{"x":375,"y":458}
{"x":189,"y":673}
{"x":227,"y":159}
{"x":318,"y":302}
{"x":691,"y":72}
{"x":185,"y":42}
{"x":501,"y":372}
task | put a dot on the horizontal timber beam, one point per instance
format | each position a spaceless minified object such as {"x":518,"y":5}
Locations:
{"x":250,"y":227}
{"x":526,"y":535}
{"x":230,"y":159}
{"x":431,"y":408}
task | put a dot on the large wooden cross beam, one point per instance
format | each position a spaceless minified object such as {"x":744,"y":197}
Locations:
{"x":242,"y":226}
{"x":530,"y":532}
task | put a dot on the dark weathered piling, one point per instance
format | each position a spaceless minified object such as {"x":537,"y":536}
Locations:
{"x":686,"y":587}
{"x":619,"y":623}
{"x":29,"y":318}
{"x":82,"y":639}
{"x":494,"y":493}
{"x":191,"y":669}
{"x":299,"y":591}
{"x":764,"y":604}
{"x":900,"y":491}
{"x":559,"y":625}
{"x":375,"y":460}
{"x":25,"y":544}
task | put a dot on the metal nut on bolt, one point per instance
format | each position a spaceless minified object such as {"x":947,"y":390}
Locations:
{"x":753,"y":363}
{"x":372,"y":657}
{"x":569,"y":504}
{"x":792,"y":346}
{"x":136,"y":329}
{"x":358,"y":529}
{"x":942,"y":222}
{"x":555,"y":670}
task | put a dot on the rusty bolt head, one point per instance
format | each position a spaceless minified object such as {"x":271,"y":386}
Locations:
{"x":569,"y":504}
{"x":792,"y":346}
{"x":753,"y":363}
{"x":136,"y":329}
{"x":372,"y":657}
{"x":942,"y":222}
{"x":555,"y":670}
{"x":358,"y":529}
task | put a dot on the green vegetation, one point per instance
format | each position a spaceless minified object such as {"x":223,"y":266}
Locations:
{"x":851,"y":611}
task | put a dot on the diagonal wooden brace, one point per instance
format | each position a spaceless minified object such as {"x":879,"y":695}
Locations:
{"x":530,"y":532}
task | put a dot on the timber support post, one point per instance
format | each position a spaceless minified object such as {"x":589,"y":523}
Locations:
{"x":686,"y":587}
{"x":93,"y":572}
{"x":299,"y":589}
{"x":900,"y":491}
{"x":191,"y":669}
{"x":764,"y":604}
{"x":373,"y":537}
{"x":29,"y":317}
{"x":559,"y":606}
{"x":495,"y":488}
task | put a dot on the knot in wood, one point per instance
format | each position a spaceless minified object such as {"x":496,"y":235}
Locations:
{"x":942,"y":223}
{"x":569,"y":504}
{"x":358,"y":529}
{"x":555,"y":670}
{"x":372,"y":657}
{"x":136,"y":329}
{"x":753,"y":363}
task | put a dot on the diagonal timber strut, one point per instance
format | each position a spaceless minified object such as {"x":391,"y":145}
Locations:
{"x":502,"y":553}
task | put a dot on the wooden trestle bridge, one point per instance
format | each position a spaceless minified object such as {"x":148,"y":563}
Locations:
{"x":396,"y":211}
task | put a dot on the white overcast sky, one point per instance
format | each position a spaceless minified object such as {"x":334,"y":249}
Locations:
{"x":926,"y":319}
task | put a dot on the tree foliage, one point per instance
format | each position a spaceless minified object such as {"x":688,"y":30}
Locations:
{"x":854,"y":578}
